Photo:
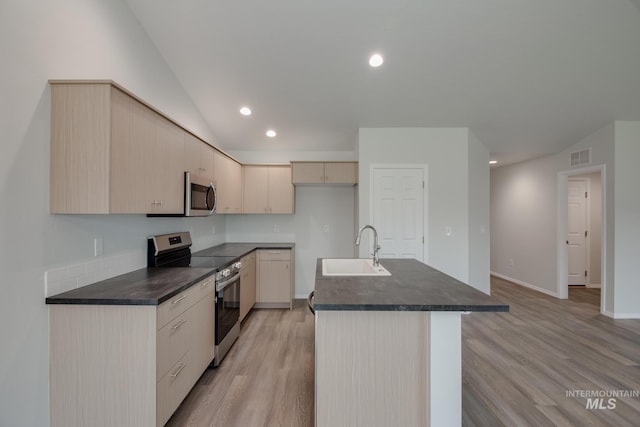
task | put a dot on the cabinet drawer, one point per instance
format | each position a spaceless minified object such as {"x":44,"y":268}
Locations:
{"x":175,"y":306}
{"x":173,"y":388}
{"x":202,"y":288}
{"x":274,"y":255}
{"x":185,"y":299}
{"x":172,"y":343}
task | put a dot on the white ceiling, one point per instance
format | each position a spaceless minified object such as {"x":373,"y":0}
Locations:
{"x":529,"y":77}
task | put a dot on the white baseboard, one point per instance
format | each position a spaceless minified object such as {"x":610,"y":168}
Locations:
{"x":525,"y":284}
{"x":621,"y":315}
{"x":594,"y":286}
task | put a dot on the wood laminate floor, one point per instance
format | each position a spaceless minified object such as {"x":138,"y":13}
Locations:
{"x":518,"y":367}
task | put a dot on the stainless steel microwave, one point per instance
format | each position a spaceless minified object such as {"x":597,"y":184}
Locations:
{"x":200,"y":197}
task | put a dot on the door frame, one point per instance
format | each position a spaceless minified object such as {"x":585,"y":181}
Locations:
{"x":425,"y":198}
{"x":562,"y":226}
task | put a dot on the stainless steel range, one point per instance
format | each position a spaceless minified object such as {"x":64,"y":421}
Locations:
{"x":174,"y":250}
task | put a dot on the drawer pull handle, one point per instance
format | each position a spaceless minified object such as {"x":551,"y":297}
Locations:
{"x":177,"y":372}
{"x":180,"y":323}
{"x":180,"y":299}
{"x":207,"y":283}
{"x":274,"y":252}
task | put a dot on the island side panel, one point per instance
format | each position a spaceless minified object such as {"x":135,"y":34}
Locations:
{"x":372,"y":368}
{"x":102,"y":365}
{"x":446,"y":368}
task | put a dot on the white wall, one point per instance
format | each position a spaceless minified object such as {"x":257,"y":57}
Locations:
{"x":65,"y":39}
{"x":626,"y":217}
{"x":479,"y":219}
{"x":524,"y":208}
{"x":446,"y":152}
{"x":523,"y":222}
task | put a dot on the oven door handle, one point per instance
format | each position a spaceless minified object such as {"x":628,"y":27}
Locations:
{"x":221,"y":285}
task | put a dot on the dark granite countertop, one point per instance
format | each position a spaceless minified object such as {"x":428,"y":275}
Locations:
{"x":239,"y":249}
{"x":148,"y":286}
{"x":412,"y":286}
{"x":153,"y":286}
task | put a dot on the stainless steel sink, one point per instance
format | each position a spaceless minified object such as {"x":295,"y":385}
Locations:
{"x":352,"y":267}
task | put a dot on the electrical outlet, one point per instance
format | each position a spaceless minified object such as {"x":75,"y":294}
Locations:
{"x":276,"y":228}
{"x":325,"y":228}
{"x":98,"y":246}
{"x":448,"y":231}
{"x":510,"y":262}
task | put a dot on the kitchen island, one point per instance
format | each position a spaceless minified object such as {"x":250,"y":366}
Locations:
{"x":388,"y":348}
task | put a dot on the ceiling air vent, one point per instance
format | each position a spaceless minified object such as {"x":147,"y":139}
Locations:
{"x":580,"y":158}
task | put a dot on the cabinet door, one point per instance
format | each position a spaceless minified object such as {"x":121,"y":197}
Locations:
{"x":247,"y":284}
{"x":168,"y":168}
{"x":256,"y":189}
{"x":203,"y":333}
{"x":280,"y":190}
{"x":80,"y":139}
{"x":274,"y":278}
{"x":198,"y":157}
{"x":234,"y":182}
{"x":132,"y":153}
{"x":341,"y":173}
{"x":307,"y":173}
{"x":275,"y":282}
{"x":220,"y":181}
{"x":146,"y":161}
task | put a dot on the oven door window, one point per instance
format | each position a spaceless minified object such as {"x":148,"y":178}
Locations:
{"x":227,"y":309}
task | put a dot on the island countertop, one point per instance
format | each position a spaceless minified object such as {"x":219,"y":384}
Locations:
{"x":412,"y":286}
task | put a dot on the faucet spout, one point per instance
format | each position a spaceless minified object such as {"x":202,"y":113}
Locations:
{"x":376,"y":247}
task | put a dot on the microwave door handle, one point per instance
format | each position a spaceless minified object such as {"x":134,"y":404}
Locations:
{"x":215,"y":198}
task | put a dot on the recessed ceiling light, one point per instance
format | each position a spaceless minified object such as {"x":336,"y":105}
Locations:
{"x":245,"y":111}
{"x":376,"y":60}
{"x":271,"y":133}
{"x":493,"y":162}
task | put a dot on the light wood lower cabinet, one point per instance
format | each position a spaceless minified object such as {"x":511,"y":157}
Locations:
{"x":275,"y":278}
{"x":247,"y":284}
{"x":128,"y":365}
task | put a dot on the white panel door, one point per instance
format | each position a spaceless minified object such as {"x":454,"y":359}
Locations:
{"x":398,"y":212}
{"x":576,"y":230}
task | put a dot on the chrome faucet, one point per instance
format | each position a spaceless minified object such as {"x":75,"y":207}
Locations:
{"x":376,"y":247}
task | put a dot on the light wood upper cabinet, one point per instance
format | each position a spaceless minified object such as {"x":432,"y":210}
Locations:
{"x":110,"y":153}
{"x":80,"y":143}
{"x":268,"y":189}
{"x":147,"y":172}
{"x":234,"y":185}
{"x":227,"y":178}
{"x":324,"y":172}
{"x":198,"y":156}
